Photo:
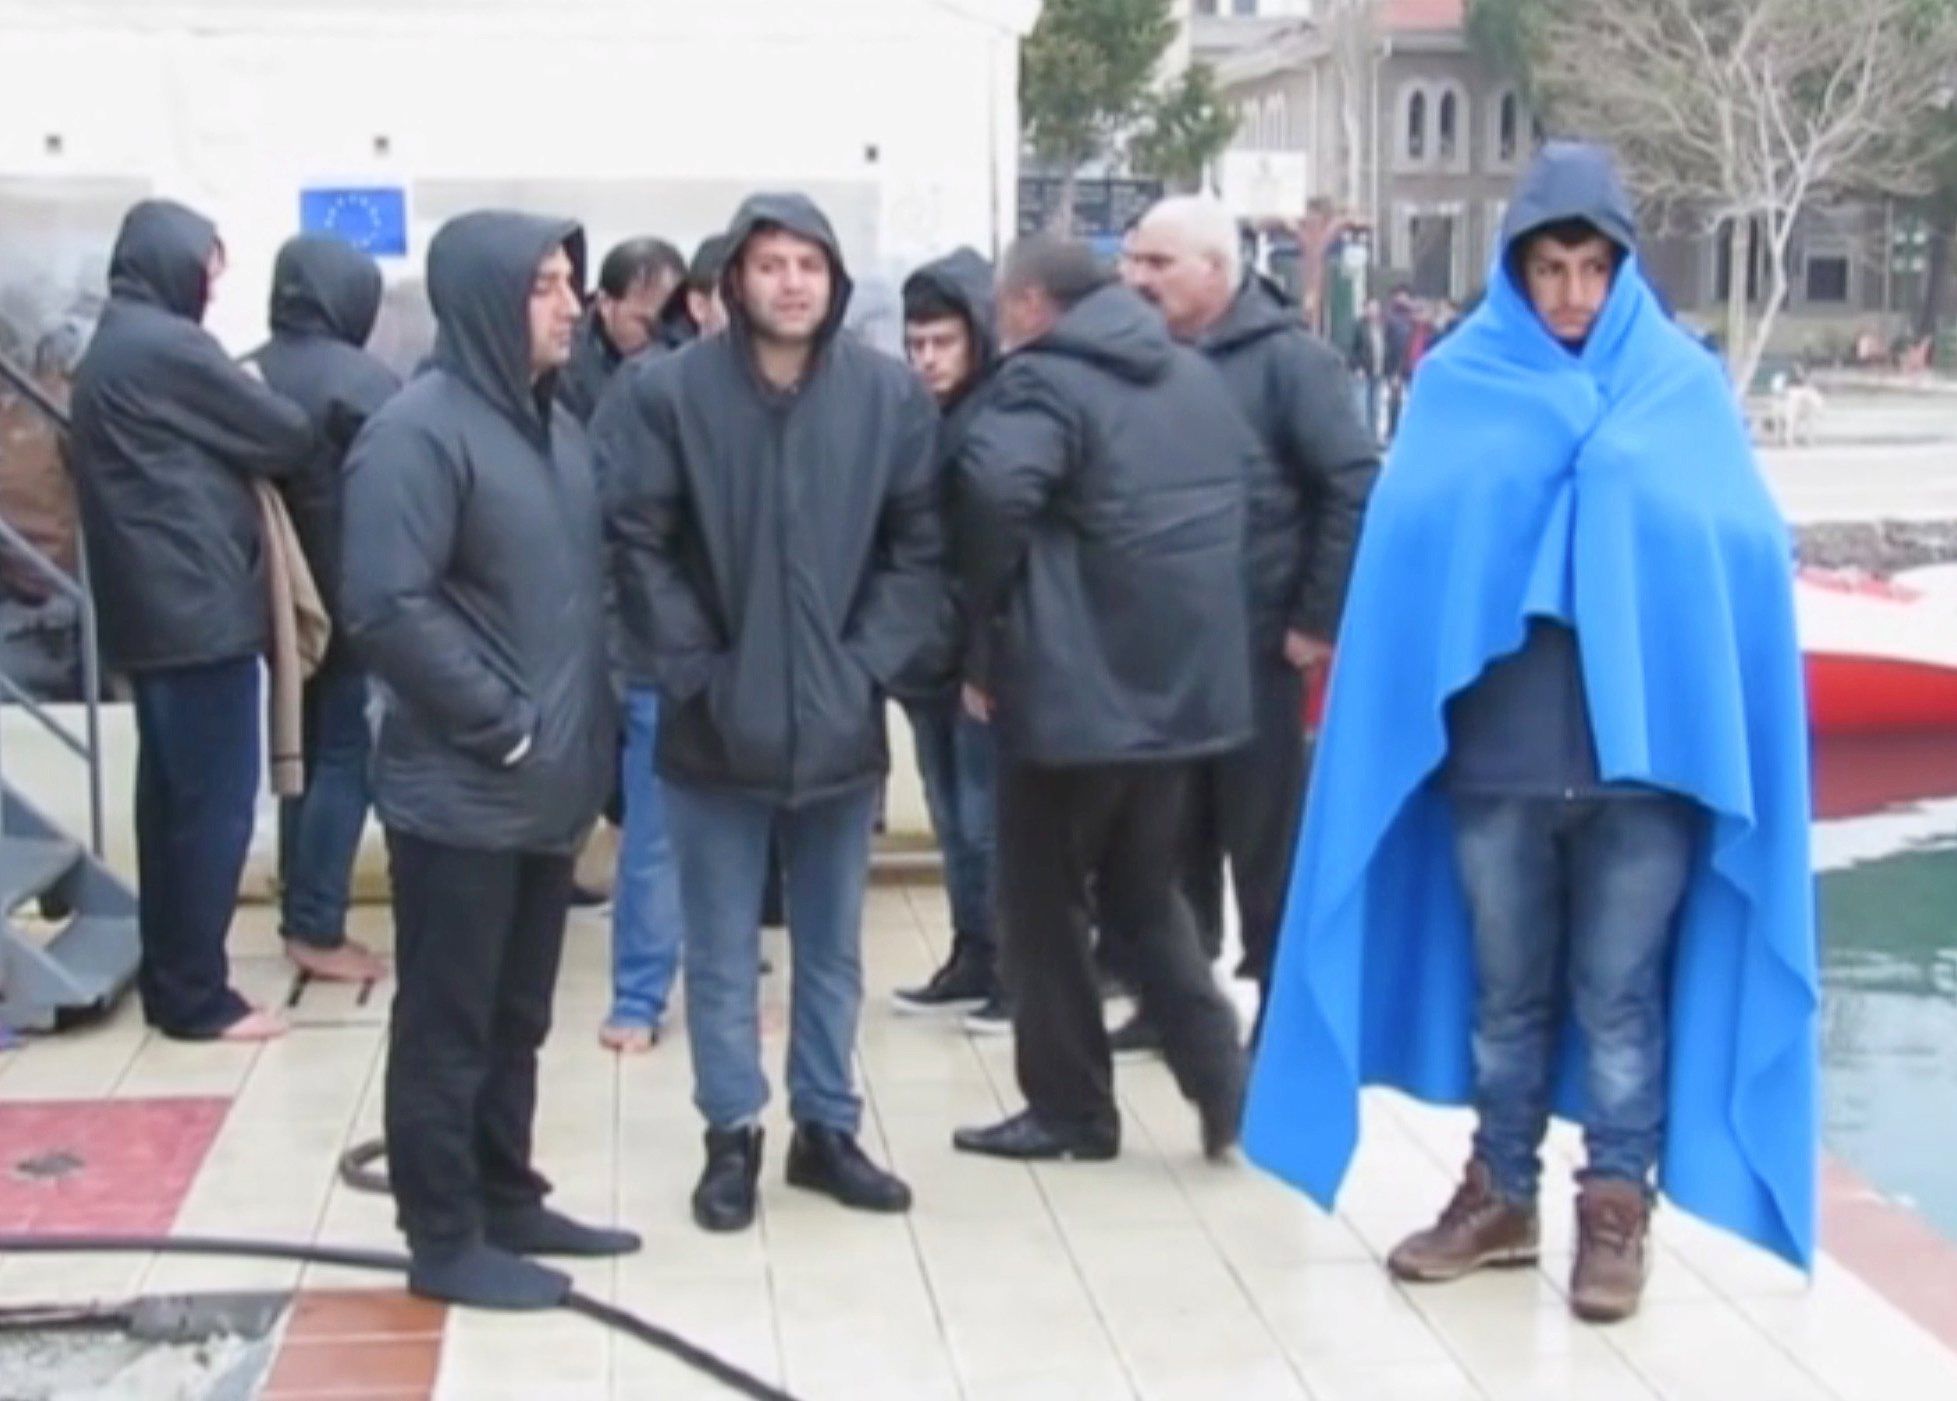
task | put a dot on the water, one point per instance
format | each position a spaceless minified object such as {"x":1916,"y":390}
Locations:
{"x":1886,"y":845}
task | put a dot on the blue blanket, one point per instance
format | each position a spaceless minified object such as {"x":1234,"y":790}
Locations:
{"x":1613,"y":489}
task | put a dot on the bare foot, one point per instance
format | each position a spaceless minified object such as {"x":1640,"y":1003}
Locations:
{"x":255,"y":1025}
{"x":349,"y":963}
{"x":627,"y":1040}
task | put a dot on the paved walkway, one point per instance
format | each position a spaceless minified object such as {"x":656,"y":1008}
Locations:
{"x":1158,"y":1275}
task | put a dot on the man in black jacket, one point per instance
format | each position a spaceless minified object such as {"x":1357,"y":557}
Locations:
{"x":474,"y":591}
{"x":1101,"y":544}
{"x":948,"y":335}
{"x":168,"y":436}
{"x":634,"y":284}
{"x":695,"y":308}
{"x":777,"y":557}
{"x":326,"y":295}
{"x":1306,"y":501}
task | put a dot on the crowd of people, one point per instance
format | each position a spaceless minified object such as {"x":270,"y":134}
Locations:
{"x":679,"y":544}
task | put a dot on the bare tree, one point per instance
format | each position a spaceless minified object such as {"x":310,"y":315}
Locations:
{"x":1748,"y":111}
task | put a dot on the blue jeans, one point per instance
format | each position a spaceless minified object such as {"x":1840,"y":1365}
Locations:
{"x":319,"y":831}
{"x":721,"y":840}
{"x":958,"y":763}
{"x":196,"y":787}
{"x":646,"y":903}
{"x":1574,"y":904}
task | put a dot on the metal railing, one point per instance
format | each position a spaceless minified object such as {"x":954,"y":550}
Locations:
{"x":76,"y":589}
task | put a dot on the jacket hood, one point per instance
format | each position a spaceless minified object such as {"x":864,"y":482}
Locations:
{"x":676,"y":323}
{"x":480,"y":270}
{"x":325,"y":287}
{"x":964,"y":279}
{"x":161,"y":255}
{"x":1571,"y":180}
{"x":1258,"y":310}
{"x":797,"y":214}
{"x":1116,"y":330}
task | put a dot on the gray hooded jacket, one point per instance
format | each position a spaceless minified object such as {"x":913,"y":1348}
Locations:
{"x":474,"y":587}
{"x":168,"y":434}
{"x":776,"y":555}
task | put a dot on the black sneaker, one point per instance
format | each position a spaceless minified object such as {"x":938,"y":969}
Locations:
{"x":964,"y":983}
{"x":1135,"y":1038}
{"x":725,"y":1197}
{"x":831,"y":1162}
{"x":993,"y":1019}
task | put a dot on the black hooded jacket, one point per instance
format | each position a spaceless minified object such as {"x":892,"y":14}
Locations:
{"x":1523,"y":728}
{"x":1101,"y":533}
{"x":1308,"y":494}
{"x":594,"y":359}
{"x":326,"y":295}
{"x":474,"y":587}
{"x":776,"y":555}
{"x":168,"y":434}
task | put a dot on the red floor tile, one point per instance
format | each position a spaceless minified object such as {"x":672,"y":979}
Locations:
{"x":101,"y":1166}
{"x":363,"y":1313}
{"x":1897,"y":1253}
{"x":354,"y":1367}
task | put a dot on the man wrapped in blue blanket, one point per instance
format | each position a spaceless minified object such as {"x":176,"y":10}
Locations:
{"x":1556,"y":851}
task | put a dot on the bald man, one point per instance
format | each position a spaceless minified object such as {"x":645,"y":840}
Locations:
{"x":1306,"y":499}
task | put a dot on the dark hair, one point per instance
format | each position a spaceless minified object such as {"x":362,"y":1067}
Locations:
{"x":635,"y":261}
{"x":1063,"y":268}
{"x":703,"y":273}
{"x":1567,"y":233}
{"x":925,"y":300}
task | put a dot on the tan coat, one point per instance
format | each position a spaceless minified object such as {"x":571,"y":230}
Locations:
{"x":299,"y":634}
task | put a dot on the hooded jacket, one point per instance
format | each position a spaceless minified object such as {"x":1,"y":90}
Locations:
{"x":168,"y":434}
{"x":594,"y":360}
{"x":326,"y":295}
{"x":1523,"y":728}
{"x":1308,"y":494}
{"x":474,"y":587}
{"x":776,"y":555}
{"x":677,"y":328}
{"x":1101,"y":522}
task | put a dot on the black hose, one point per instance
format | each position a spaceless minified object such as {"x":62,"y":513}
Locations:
{"x":726,"y":1373}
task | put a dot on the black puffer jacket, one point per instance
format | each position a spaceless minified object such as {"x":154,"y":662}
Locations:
{"x":474,"y":568}
{"x":168,"y":434}
{"x":777,"y":556}
{"x":1101,"y":523}
{"x":594,"y":360}
{"x":326,"y":295}
{"x":1319,"y":463}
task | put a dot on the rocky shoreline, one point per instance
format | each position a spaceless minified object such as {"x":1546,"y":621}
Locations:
{"x":1880,"y":547}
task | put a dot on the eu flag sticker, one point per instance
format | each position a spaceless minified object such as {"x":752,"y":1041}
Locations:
{"x":373,"y":219}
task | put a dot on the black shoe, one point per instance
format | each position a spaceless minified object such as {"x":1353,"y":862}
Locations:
{"x":1135,"y":1038}
{"x":583,"y":897}
{"x":486,"y":1278}
{"x":537,"y":1230}
{"x":724,"y":1200}
{"x":831,"y":1162}
{"x":964,"y":983}
{"x":1025,"y":1138}
{"x":1222,"y":1119}
{"x":993,"y":1019}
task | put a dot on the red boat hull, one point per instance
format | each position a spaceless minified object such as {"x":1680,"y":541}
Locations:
{"x":1849,"y":695}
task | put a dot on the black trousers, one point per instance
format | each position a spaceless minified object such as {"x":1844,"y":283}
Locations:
{"x":1245,"y":806}
{"x":477,"y":939}
{"x":1114,"y":830}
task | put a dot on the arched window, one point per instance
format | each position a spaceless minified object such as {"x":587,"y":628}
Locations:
{"x":1417,"y":126}
{"x":1508,"y":130}
{"x":1448,"y":146}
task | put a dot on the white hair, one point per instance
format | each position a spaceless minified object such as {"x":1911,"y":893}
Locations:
{"x":1209,"y":227}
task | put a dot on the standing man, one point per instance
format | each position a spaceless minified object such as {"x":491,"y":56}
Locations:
{"x":1558,"y":847}
{"x":1101,"y":514}
{"x":634,"y":283}
{"x":169,"y":434}
{"x":1366,"y":357}
{"x":326,"y":295}
{"x":1399,"y":353}
{"x":776,"y":548}
{"x":474,"y":590}
{"x":695,"y":308}
{"x":1306,"y":501}
{"x":948,"y":335}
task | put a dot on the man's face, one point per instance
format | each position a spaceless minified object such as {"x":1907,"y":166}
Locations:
{"x":1188,"y":285}
{"x":1568,"y":286}
{"x":941,"y":353}
{"x":708,"y":310}
{"x":1025,"y":314}
{"x":553,"y":313}
{"x":630,"y":320}
{"x":786,"y":286}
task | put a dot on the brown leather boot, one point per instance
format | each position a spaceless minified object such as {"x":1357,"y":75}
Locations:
{"x":1477,"y":1229}
{"x":1613,"y":1251}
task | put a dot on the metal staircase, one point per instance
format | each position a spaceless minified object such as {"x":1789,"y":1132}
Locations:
{"x":68,"y":934}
